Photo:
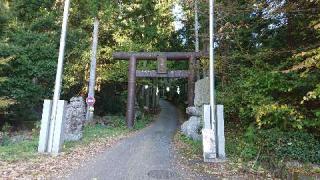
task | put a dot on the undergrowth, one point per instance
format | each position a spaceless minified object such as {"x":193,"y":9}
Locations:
{"x":263,"y":152}
{"x":273,"y":149}
{"x":193,"y":150}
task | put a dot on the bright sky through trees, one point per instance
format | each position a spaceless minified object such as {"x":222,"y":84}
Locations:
{"x":179,"y":16}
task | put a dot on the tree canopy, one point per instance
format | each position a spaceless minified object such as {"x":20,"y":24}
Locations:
{"x":267,"y":54}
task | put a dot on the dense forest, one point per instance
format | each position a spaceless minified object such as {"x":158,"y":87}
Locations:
{"x":268,"y":75}
{"x":30,"y":32}
{"x":267,"y":63}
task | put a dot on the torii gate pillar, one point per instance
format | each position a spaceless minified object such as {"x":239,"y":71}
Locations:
{"x":191,"y":81}
{"x":131,"y":91}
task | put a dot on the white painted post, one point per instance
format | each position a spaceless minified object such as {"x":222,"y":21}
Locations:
{"x":220,"y":132}
{"x":45,"y":126}
{"x":93,"y":67}
{"x":196,"y":26}
{"x":208,"y":137}
{"x":58,"y":81}
{"x":58,"y":137}
{"x":209,"y":148}
{"x":206,"y":116}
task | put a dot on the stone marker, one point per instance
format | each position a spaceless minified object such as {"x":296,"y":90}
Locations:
{"x":220,"y":132}
{"x":75,"y":119}
{"x":45,"y":126}
{"x":209,"y":148}
{"x":53,"y":128}
{"x":59,"y":128}
{"x":202,"y":91}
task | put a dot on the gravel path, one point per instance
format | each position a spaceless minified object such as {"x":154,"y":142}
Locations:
{"x":146,"y":155}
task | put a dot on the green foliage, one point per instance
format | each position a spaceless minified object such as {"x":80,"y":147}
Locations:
{"x":283,"y":146}
{"x":249,"y":150}
{"x":29,"y":38}
{"x":19,"y":151}
{"x":273,"y":147}
{"x":3,"y":17}
{"x":143,"y":121}
{"x":30,"y":71}
{"x":117,"y":122}
{"x":270,"y":76}
{"x":96,"y":132}
{"x":4,"y":135}
{"x":281,"y":116}
{"x":194,"y":148}
{"x":267,"y":77}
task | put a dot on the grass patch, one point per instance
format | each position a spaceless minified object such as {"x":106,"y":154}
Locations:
{"x":189,"y":148}
{"x":19,"y":151}
{"x":27,"y":149}
{"x":93,"y":133}
{"x":143,"y":122}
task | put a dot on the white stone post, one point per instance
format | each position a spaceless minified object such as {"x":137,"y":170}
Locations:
{"x":208,"y":137}
{"x":54,"y":144}
{"x":220,"y":132}
{"x":206,"y":117}
{"x":209,"y":148}
{"x":213,"y":136}
{"x":58,"y":136}
{"x":45,"y":126}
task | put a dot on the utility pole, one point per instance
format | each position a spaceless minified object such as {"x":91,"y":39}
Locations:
{"x":196,"y":25}
{"x":93,"y":66}
{"x":196,"y":33}
{"x":58,"y":81}
{"x":211,"y":67}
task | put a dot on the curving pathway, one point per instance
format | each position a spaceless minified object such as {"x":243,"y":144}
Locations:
{"x":146,"y":155}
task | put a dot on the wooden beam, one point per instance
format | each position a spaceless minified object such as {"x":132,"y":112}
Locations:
{"x":170,"y":74}
{"x":154,"y":55}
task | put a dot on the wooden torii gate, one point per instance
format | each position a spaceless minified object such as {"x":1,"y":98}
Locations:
{"x":162,"y":72}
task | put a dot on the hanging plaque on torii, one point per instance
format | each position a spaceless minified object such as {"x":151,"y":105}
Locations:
{"x":161,"y":72}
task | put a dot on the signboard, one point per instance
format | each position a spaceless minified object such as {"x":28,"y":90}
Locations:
{"x":90,"y":101}
{"x":162,"y":64}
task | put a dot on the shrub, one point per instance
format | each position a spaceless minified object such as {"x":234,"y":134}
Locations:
{"x":273,"y":147}
{"x":288,"y":146}
{"x":281,"y":116}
